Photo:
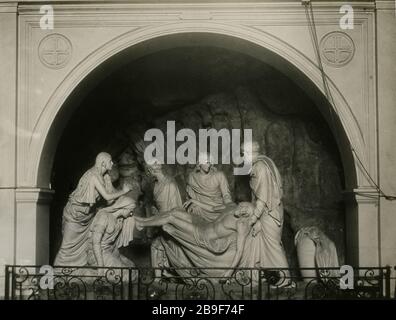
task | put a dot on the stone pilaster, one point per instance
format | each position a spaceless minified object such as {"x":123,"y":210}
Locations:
{"x":8,"y":71}
{"x":32,"y":226}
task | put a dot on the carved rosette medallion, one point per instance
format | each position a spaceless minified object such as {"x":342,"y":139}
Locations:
{"x":55,"y":51}
{"x":337,"y":49}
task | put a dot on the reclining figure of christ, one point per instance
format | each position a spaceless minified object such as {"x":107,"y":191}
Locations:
{"x":217,"y":244}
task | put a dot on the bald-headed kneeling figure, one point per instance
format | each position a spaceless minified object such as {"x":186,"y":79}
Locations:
{"x":210,"y":244}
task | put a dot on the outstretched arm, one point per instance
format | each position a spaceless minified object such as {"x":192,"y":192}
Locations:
{"x":106,"y":195}
{"x":154,"y":221}
{"x":177,"y":218}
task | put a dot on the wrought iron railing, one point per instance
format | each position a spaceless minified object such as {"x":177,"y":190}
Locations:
{"x":393,"y":282}
{"x":87,"y":283}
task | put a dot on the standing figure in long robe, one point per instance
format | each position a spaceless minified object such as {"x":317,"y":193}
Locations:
{"x":80,"y":209}
{"x":166,"y":197}
{"x":264,"y":246}
{"x":207,"y":187}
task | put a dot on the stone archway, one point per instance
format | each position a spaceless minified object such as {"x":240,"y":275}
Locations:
{"x":258,"y":44}
{"x":283,"y":56}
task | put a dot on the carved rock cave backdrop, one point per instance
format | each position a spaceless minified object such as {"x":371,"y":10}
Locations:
{"x":207,"y":87}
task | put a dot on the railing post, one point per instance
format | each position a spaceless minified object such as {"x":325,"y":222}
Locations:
{"x":7,"y":283}
{"x":259,"y":297}
{"x":13,"y":283}
{"x":129,"y":283}
{"x":138,"y":285}
{"x":122,"y":283}
{"x":387,"y":282}
{"x":394,"y":278}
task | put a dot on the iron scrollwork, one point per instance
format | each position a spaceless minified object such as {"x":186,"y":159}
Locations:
{"x":87,"y":283}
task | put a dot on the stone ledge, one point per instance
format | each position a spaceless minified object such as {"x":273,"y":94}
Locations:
{"x":99,"y":6}
{"x":36,"y":195}
{"x":8,"y":7}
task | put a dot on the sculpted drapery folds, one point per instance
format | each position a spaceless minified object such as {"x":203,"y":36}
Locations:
{"x":166,"y":197}
{"x":324,"y":254}
{"x":264,"y":244}
{"x":212,"y":233}
{"x":207,"y":187}
{"x":112,"y":228}
{"x":206,"y":244}
{"x":81,"y":208}
{"x":197,"y":241}
{"x":192,"y":243}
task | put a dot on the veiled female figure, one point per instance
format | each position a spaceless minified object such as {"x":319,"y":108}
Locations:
{"x":112,"y":228}
{"x":325,"y":254}
{"x":80,"y":209}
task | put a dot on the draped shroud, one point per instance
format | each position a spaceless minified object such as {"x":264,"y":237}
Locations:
{"x":185,"y":250}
